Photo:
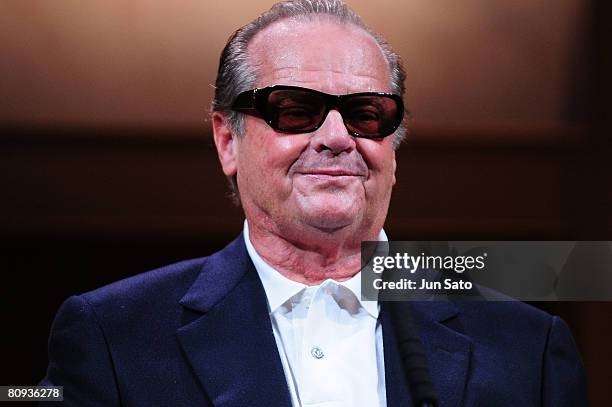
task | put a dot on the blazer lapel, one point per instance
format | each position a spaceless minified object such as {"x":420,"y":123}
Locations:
{"x":448,"y":353}
{"x":230,"y":344}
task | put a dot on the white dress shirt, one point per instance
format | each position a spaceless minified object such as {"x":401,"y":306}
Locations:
{"x":329,"y":341}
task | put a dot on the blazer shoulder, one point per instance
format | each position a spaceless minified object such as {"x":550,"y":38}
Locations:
{"x":158,"y":292}
{"x":509,"y":325}
{"x":511,"y":313}
{"x":504,"y":308}
{"x":161,"y":285}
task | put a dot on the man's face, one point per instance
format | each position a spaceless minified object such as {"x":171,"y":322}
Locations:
{"x":324,"y":180}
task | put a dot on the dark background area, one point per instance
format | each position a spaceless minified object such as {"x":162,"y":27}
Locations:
{"x":84,"y":204}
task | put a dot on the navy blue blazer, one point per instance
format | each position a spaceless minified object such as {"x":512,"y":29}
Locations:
{"x":197,"y":333}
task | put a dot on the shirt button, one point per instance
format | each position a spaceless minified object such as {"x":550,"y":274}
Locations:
{"x":317,"y":353}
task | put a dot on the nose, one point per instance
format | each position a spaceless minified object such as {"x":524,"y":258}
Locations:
{"x":333,"y":135}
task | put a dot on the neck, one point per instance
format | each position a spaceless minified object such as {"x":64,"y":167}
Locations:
{"x":310,"y":257}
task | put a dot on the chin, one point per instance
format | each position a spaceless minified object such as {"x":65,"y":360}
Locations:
{"x":330,"y":219}
{"x":331,"y":212}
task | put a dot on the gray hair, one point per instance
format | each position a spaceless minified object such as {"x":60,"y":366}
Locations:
{"x":237,"y":75}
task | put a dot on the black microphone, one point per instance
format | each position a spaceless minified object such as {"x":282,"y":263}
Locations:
{"x":412,"y":354}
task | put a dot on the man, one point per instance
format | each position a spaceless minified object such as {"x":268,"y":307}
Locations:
{"x":276,"y":318}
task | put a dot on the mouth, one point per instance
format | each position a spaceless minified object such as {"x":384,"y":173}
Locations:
{"x":337,"y":177}
{"x":330,"y":173}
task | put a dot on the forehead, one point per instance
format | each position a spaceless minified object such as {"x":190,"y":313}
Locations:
{"x":322,"y":53}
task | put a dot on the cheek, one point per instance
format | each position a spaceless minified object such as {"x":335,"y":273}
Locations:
{"x":282,"y":150}
{"x":266,"y":152}
{"x":379,"y":156}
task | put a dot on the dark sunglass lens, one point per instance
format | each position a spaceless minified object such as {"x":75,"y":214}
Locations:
{"x":371,"y":116}
{"x":295,"y":110}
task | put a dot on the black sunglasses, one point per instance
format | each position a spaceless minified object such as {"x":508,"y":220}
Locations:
{"x":292,"y":109}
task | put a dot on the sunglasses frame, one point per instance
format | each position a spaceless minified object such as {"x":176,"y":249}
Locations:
{"x":254,"y":102}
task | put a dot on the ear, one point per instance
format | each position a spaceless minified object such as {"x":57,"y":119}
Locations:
{"x":226,"y":143}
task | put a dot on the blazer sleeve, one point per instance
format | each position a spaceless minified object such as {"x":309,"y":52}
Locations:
{"x":79,"y":358}
{"x":564,"y":381}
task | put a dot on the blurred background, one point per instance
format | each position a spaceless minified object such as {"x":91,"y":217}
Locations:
{"x":107,"y":166}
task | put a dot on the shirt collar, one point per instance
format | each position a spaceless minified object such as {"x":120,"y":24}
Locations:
{"x":279,"y":288}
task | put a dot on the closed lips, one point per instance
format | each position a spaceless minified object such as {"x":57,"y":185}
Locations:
{"x":331,"y":172}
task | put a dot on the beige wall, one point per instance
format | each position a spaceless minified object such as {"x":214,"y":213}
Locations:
{"x":144,"y":62}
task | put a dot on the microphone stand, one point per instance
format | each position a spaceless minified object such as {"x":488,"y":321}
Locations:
{"x":412,"y":354}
